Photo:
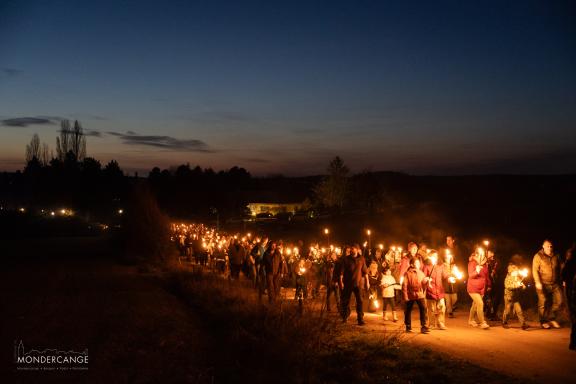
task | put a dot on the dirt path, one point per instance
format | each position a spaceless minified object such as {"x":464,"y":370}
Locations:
{"x":537,"y":354}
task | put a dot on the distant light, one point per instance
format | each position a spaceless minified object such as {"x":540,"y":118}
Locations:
{"x":63,"y":211}
{"x":120,"y":211}
{"x":22,"y":210}
{"x":369,"y":232}
{"x":52,"y":213}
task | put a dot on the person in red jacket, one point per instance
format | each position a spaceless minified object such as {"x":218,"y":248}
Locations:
{"x":437,"y":273}
{"x":478,"y":283}
{"x":407,"y":257}
{"x":414,"y":291}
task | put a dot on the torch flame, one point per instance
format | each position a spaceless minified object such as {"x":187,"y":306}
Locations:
{"x":456,"y":272}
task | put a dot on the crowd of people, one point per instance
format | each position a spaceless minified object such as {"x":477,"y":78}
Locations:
{"x":392,"y":279}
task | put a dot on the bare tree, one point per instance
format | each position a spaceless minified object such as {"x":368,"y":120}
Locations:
{"x":78,"y":141}
{"x":33,"y":149}
{"x":45,"y":154}
{"x":62,"y":147}
{"x":71,"y":140}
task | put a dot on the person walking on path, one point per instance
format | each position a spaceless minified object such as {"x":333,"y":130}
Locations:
{"x":546,"y":273}
{"x":478,"y":282}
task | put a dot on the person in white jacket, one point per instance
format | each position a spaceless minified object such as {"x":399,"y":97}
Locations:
{"x":388,"y":294}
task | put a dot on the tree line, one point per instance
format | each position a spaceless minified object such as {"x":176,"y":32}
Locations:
{"x":68,"y":176}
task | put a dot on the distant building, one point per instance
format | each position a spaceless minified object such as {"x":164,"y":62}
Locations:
{"x":279,"y":195}
{"x":275,"y":208}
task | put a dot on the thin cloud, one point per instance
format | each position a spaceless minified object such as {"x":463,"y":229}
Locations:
{"x":52,"y":118}
{"x":93,"y":133}
{"x":10,"y":72}
{"x":255,"y":160}
{"x":26,"y":121}
{"x":162,"y":142}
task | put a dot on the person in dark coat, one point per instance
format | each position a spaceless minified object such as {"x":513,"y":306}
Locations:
{"x":332,"y":268}
{"x":569,"y":280}
{"x":352,"y":279}
{"x":374,"y":277}
{"x":237,"y":257}
{"x":273,"y":264}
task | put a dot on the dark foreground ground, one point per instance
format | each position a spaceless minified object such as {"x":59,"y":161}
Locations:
{"x":78,"y":297}
{"x":72,"y":294}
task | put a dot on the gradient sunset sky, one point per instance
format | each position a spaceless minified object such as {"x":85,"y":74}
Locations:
{"x":425,"y":87}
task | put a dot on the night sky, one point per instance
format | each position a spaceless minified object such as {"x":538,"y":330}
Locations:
{"x":425,"y":87}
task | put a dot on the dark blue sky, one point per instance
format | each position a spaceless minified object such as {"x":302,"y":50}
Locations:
{"x":427,"y":87}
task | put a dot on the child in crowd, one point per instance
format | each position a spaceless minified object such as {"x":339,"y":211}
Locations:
{"x":513,"y":285}
{"x":388,"y":293}
{"x":414,"y":292}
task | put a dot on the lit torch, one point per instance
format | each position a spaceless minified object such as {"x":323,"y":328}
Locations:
{"x":456,"y":275}
{"x":375,"y":302}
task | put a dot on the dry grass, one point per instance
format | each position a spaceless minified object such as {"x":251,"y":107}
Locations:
{"x":263,"y":343}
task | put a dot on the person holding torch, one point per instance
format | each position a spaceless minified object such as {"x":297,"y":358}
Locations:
{"x":450,"y":288}
{"x":300,"y":270}
{"x":478,"y":282}
{"x":513,"y":285}
{"x":435,"y":302}
{"x":414,"y":291}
